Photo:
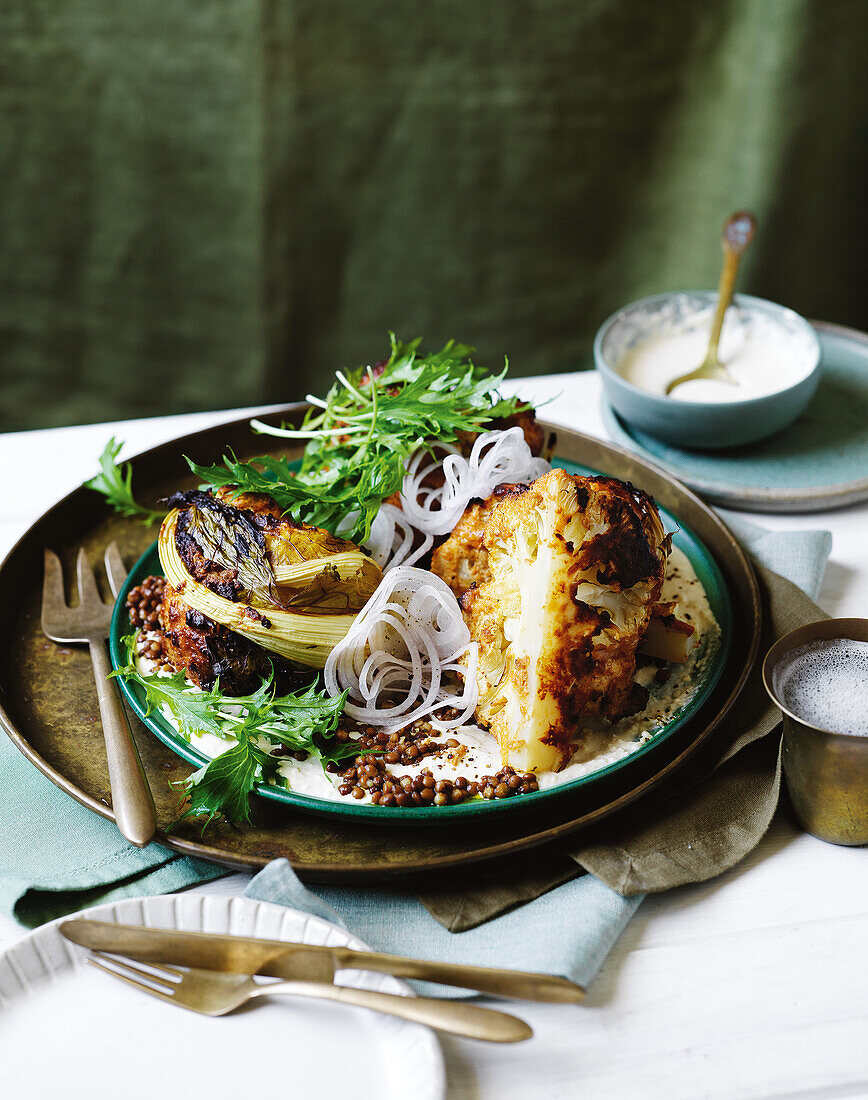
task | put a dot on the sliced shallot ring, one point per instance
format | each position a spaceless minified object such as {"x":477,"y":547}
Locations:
{"x":394,"y":658}
{"x":496,"y":457}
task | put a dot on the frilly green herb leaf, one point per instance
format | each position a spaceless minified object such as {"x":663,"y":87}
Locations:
{"x":222,"y":787}
{"x":115,"y":482}
{"x":360,"y":438}
{"x":300,"y":721}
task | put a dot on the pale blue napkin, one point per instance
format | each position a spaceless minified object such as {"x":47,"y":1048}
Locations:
{"x":568,"y":931}
{"x":56,"y":856}
{"x":800,"y":556}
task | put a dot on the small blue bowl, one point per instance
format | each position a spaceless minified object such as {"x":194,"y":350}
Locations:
{"x":698,"y":424}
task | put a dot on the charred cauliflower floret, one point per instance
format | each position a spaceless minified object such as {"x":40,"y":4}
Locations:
{"x":462,"y":560}
{"x":575,"y":565}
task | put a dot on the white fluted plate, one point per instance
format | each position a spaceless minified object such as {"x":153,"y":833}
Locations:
{"x":102,"y":1038}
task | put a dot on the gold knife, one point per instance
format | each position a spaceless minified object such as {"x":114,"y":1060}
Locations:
{"x":301,"y":961}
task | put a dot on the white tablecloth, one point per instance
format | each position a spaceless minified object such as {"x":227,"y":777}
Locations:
{"x":752,"y":985}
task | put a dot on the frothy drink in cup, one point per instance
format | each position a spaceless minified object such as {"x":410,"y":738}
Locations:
{"x":825,"y":683}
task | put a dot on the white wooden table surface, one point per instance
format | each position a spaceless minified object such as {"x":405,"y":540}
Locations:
{"x":752,"y":985}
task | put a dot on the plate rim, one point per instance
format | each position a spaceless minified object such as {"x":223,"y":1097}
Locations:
{"x":421,"y":817}
{"x":195,"y":903}
{"x":820,"y":498}
{"x":750,"y":603}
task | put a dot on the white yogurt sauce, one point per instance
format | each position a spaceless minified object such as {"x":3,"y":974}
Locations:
{"x":762,"y":355}
{"x":598,"y":743}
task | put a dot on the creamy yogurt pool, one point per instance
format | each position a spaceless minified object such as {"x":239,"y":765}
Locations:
{"x":598,"y":743}
{"x":763,"y":355}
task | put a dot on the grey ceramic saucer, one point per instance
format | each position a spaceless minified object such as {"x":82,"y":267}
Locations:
{"x":818,"y":463}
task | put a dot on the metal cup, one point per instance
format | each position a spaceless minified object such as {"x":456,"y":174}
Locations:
{"x":826,"y":772}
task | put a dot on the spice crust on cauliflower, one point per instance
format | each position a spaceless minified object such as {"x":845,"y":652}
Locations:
{"x":558,"y":593}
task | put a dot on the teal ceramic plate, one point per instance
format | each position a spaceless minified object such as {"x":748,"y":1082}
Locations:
{"x":718,"y":597}
{"x":819,"y":462}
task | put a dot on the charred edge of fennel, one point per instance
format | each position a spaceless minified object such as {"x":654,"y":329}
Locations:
{"x":307,"y":639}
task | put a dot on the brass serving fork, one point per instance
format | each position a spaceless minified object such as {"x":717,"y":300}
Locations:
{"x":213,"y":993}
{"x":88,"y":622}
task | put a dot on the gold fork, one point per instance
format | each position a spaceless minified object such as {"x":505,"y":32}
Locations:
{"x":89,"y":621}
{"x":214,"y":993}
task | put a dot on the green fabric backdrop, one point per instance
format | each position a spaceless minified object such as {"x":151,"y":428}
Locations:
{"x":214,"y":204}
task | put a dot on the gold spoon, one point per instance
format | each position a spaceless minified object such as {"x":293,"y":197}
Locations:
{"x":737,"y":234}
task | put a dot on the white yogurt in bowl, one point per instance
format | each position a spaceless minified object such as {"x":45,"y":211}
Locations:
{"x":762,"y":355}
{"x":772,"y":353}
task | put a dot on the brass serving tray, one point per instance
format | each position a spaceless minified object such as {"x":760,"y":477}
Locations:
{"x":48,"y":700}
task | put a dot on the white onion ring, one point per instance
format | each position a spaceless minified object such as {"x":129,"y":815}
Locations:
{"x":428,"y":511}
{"x":397,"y":657}
{"x":391,"y":540}
{"x":497,"y":457}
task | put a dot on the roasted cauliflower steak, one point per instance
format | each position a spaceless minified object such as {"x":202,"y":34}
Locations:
{"x":572,"y":569}
{"x":462,"y":560}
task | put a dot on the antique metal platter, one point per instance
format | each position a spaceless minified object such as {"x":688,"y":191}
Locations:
{"x":48,"y":700}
